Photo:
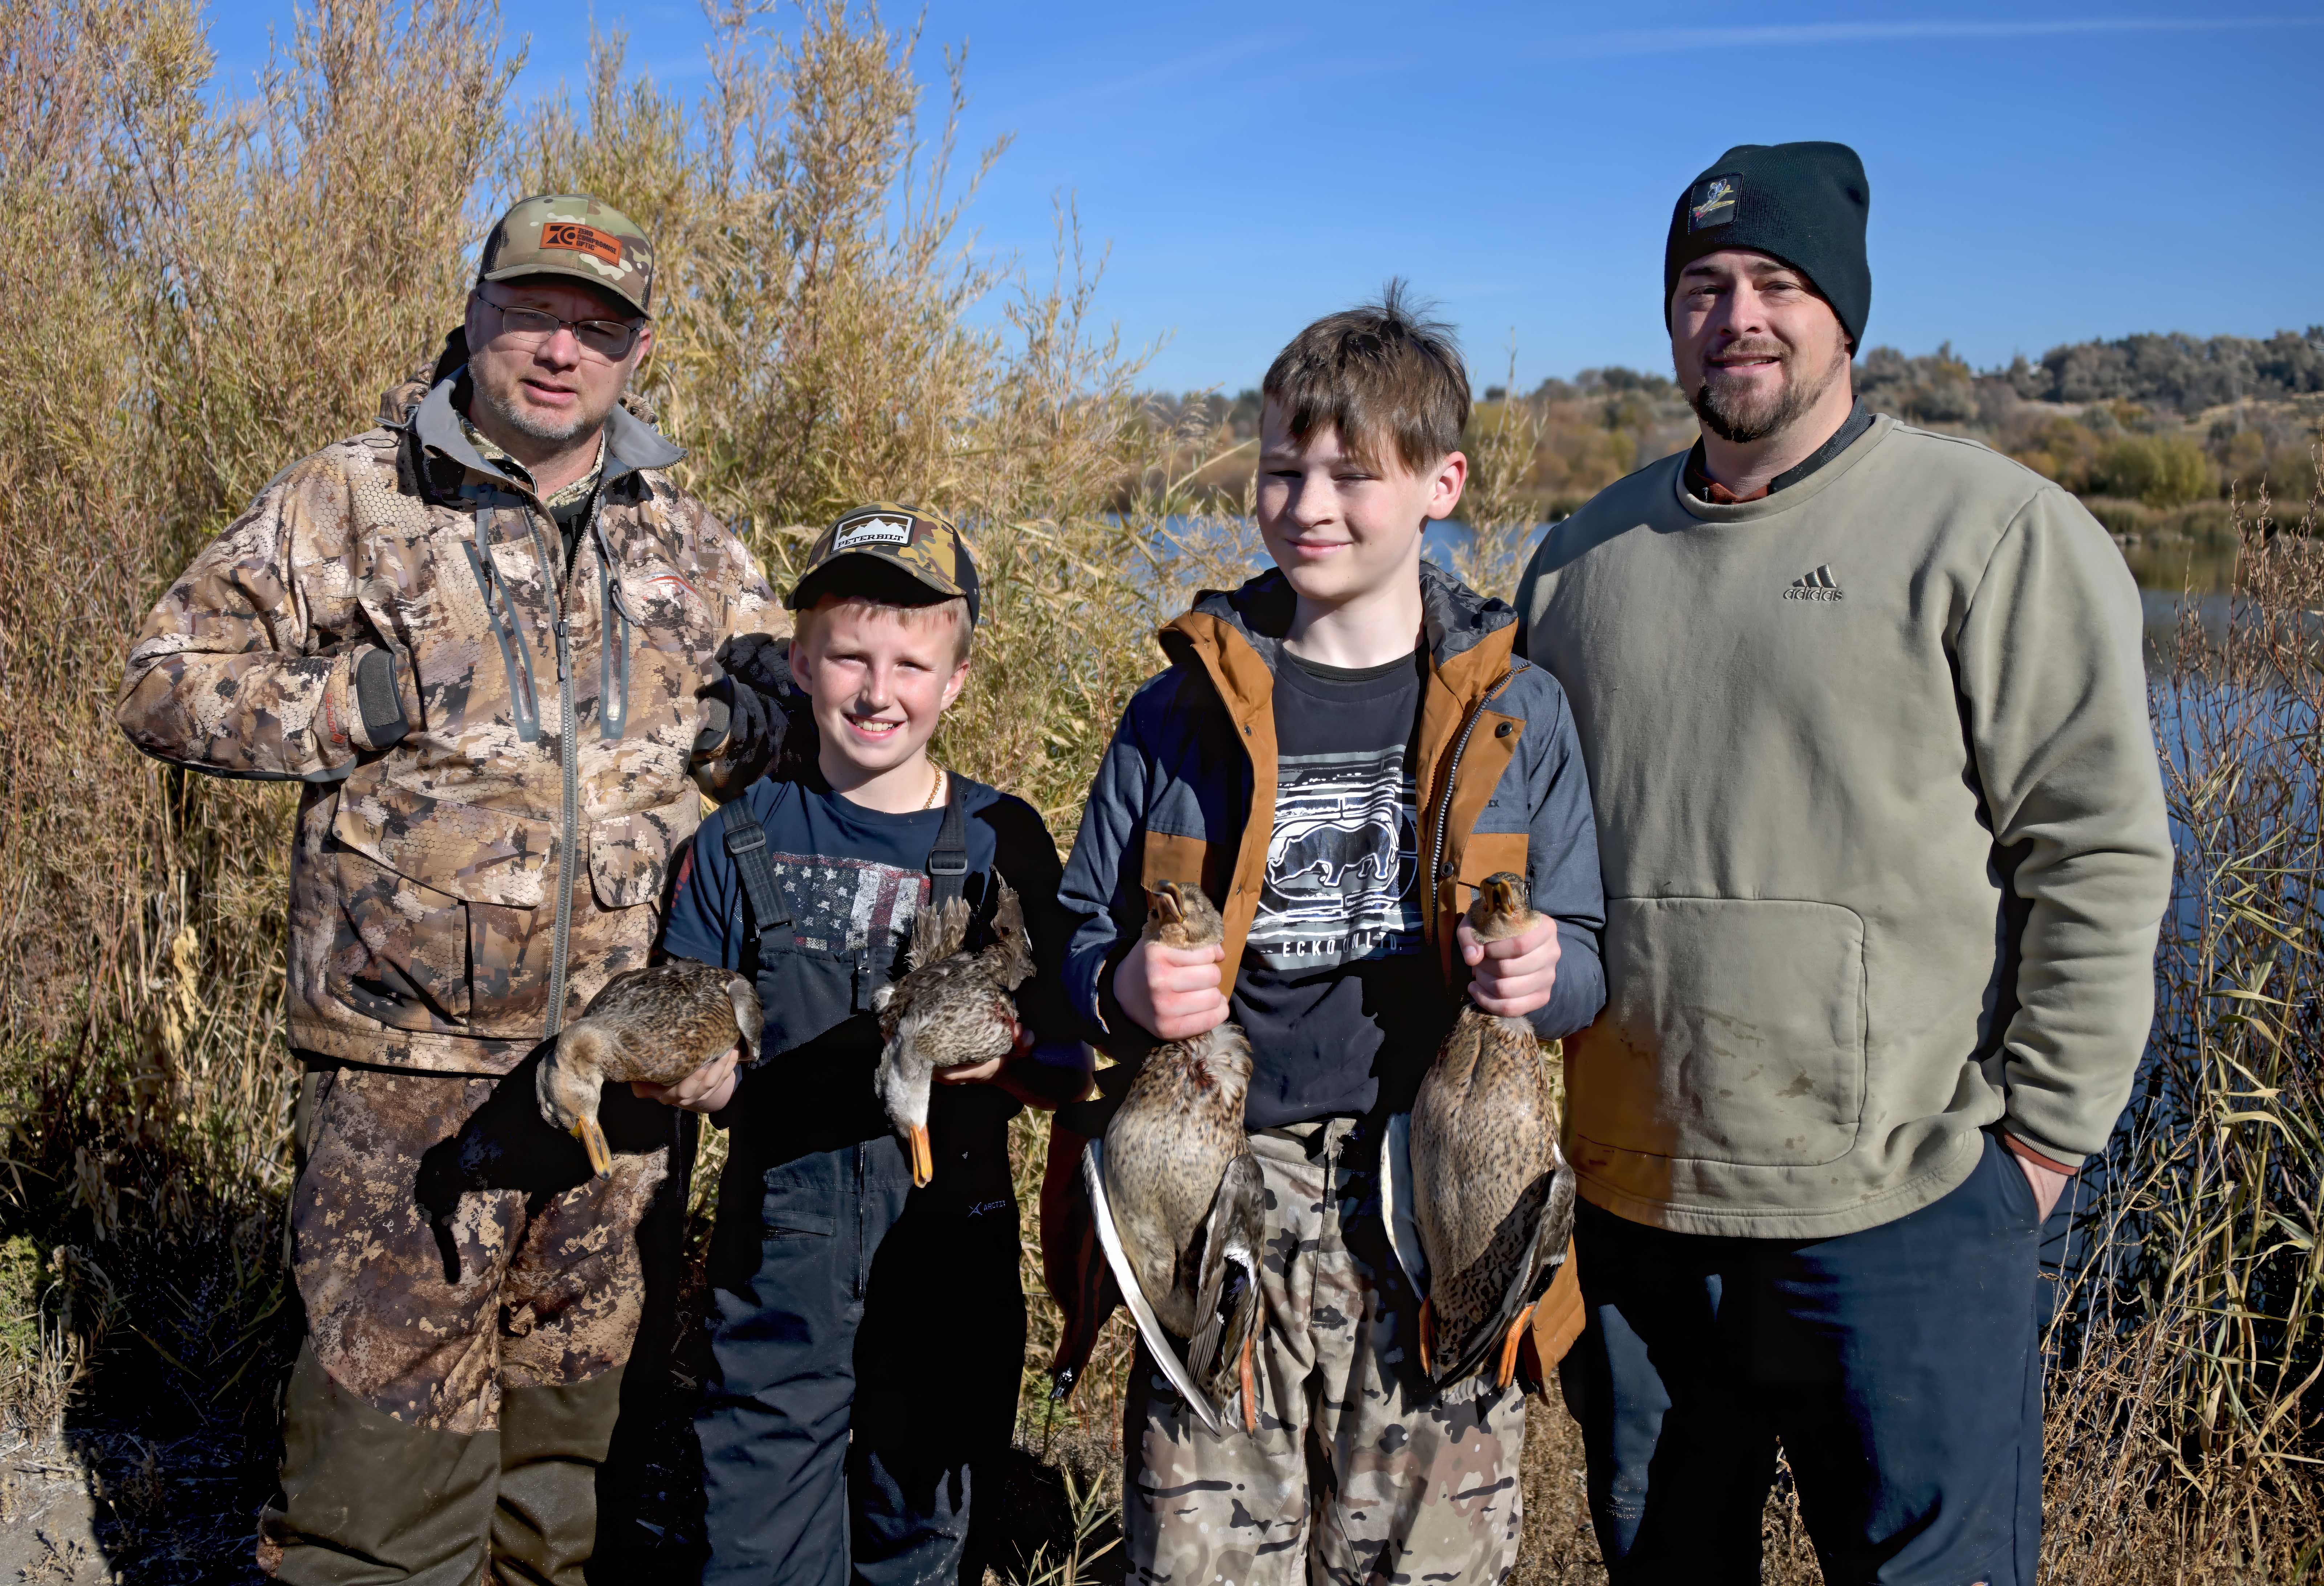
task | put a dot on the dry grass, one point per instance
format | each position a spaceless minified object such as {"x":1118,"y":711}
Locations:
{"x":226,"y":283}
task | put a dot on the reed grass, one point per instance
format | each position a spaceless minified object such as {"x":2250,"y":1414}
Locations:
{"x":214,"y":279}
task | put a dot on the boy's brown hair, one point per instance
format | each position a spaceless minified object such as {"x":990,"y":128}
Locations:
{"x":1377,"y":374}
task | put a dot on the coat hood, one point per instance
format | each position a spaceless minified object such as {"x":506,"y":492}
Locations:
{"x":1454,"y":619}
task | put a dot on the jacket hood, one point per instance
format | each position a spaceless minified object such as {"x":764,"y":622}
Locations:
{"x":1454,"y":619}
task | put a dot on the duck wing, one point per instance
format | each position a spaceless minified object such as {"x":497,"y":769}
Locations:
{"x":1227,"y":1300}
{"x":1486,"y":1346}
{"x":1158,"y":1342}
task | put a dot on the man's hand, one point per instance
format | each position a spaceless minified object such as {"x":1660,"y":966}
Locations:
{"x":2048,"y":1184}
{"x":1172,"y":991}
{"x":1513,"y":977}
{"x":707,"y":1090}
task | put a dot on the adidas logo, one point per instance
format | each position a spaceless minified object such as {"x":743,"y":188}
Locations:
{"x":1815,"y":585}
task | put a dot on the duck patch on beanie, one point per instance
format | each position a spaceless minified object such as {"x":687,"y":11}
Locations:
{"x":1712,"y":202}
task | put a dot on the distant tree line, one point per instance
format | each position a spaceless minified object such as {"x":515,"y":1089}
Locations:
{"x":2177,"y":371}
{"x":2145,"y":428}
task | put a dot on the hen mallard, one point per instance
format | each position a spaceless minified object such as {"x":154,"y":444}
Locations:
{"x":1491,"y":1197}
{"x":952,"y":1007}
{"x":1181,"y":1184}
{"x":659,"y":1024}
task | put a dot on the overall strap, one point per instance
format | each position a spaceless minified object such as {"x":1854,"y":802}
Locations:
{"x":763,"y":908}
{"x":949,"y":856}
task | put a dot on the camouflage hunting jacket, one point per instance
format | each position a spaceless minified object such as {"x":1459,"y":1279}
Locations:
{"x":456,"y":896}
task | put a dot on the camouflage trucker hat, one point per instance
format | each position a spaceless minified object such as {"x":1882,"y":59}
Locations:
{"x":925,"y":545}
{"x":572,"y":233}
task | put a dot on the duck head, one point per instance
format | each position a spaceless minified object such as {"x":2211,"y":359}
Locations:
{"x":570,"y":1084}
{"x":1503,"y":907}
{"x":906,"y":1077}
{"x":1179,"y":914}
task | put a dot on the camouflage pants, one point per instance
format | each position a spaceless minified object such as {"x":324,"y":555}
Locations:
{"x":472,"y":1296}
{"x":1356,"y":1473}
{"x":448,"y":1243}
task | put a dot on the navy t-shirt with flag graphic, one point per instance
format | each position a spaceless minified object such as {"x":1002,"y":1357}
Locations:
{"x":853,"y":878}
{"x":1333,"y":988}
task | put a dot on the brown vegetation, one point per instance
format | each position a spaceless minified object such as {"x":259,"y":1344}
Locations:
{"x":208,"y":287}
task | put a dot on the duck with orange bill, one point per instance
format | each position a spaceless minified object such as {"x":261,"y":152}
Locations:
{"x":1481,"y":1206}
{"x":1177,"y":1194}
{"x":953,"y":1007}
{"x":658,"y":1025}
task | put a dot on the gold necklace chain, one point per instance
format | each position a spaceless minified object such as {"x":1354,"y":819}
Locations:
{"x":935,"y":787}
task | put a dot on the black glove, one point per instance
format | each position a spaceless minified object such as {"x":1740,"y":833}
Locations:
{"x":748,"y":709}
{"x":379,"y":700}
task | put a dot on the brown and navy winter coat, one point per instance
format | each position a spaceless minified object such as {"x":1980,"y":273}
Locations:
{"x":507,"y":856}
{"x":1186,"y":793}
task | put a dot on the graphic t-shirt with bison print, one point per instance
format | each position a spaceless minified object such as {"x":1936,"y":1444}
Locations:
{"x":1332,"y":990}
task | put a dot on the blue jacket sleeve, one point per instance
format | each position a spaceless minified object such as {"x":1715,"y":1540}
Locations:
{"x":703,"y":924}
{"x":1562,"y":871}
{"x":1111,"y":824}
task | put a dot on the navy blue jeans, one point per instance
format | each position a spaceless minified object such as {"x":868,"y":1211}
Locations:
{"x":866,"y":1339}
{"x":1899,"y":1368}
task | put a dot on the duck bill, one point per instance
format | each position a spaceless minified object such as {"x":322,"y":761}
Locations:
{"x":593,"y":1140}
{"x":924,"y":1161}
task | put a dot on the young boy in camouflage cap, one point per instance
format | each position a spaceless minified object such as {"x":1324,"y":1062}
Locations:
{"x":868,"y":1325}
{"x":481,"y":635}
{"x":1340,"y":750}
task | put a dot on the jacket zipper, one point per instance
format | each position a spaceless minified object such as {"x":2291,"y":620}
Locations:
{"x":1444,"y":801}
{"x":567,"y":754}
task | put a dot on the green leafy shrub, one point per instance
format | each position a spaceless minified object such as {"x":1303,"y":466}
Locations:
{"x":2159,"y":470}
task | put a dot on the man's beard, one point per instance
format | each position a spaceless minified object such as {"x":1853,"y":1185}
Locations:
{"x":1732,"y":410}
{"x":538,"y":427}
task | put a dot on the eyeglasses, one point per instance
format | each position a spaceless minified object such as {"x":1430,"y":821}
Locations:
{"x":610,"y":339}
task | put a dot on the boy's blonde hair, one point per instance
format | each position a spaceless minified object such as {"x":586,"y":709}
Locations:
{"x":1390,"y":382}
{"x":913,"y":614}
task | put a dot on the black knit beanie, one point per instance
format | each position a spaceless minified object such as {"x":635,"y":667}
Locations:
{"x":1803,"y":203}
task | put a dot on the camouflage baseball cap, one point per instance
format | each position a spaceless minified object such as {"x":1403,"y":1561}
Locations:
{"x":572,"y":233}
{"x":925,"y":546}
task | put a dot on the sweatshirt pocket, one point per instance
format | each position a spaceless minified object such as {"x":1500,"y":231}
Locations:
{"x":1734,"y":1031}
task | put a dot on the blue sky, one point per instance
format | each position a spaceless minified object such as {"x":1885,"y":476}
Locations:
{"x":2040,"y":172}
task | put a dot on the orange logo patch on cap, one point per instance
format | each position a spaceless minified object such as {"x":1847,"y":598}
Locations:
{"x":575,"y":237}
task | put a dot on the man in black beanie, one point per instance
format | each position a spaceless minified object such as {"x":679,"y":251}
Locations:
{"x":1882,"y":832}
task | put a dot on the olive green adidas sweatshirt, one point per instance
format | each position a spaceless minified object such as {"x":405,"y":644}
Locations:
{"x":1881,"y":826}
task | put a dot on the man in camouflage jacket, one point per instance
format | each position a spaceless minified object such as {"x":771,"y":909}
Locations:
{"x":488,"y":636}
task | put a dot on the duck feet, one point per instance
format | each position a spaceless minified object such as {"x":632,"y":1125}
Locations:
{"x":1249,"y":1388}
{"x":1428,"y":1336}
{"x":1510,"y":1346}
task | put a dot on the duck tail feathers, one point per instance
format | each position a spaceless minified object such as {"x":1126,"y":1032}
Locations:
{"x":939,"y":932}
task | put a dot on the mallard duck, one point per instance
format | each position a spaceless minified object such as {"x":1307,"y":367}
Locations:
{"x":952,"y":1007}
{"x":1492,"y":1200}
{"x":659,"y":1023}
{"x":1181,"y":1184}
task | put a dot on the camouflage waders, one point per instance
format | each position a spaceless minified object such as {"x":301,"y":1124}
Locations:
{"x":1356,"y":1473}
{"x":471,"y":1294}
